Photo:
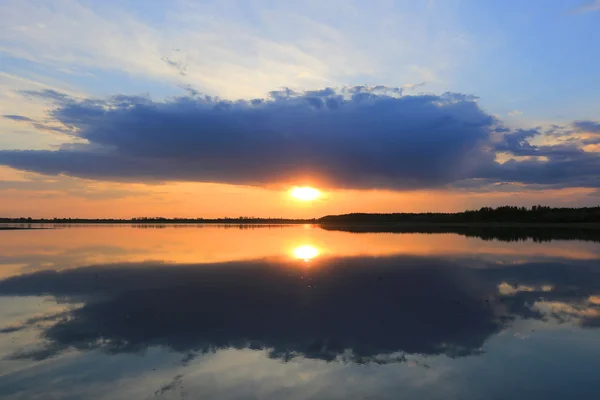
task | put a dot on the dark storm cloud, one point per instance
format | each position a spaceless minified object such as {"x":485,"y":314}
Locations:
{"x":517,"y":143}
{"x":355,"y":137}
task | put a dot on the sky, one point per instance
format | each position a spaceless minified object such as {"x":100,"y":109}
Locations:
{"x":218,"y":108}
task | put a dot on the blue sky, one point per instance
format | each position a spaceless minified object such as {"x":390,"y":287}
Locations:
{"x":530,"y":64}
{"x":536,"y":56}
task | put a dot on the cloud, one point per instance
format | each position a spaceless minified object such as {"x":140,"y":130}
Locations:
{"x":515,"y":113}
{"x":233,"y":53}
{"x":179,"y":66}
{"x":37,"y":185}
{"x":589,"y":6}
{"x":359,"y":137}
{"x":587,"y":126}
{"x":588,"y":132}
{"x":47,"y":94}
{"x":567,"y":167}
{"x":19,"y":118}
{"x":565,"y":164}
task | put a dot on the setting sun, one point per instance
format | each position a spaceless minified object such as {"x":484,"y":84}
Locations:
{"x":305,"y":193}
{"x":306,"y":253}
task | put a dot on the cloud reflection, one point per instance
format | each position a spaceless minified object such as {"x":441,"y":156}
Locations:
{"x":353,"y":309}
{"x":356,"y":308}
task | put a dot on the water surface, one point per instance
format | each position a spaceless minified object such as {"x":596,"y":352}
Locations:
{"x":298,"y":312}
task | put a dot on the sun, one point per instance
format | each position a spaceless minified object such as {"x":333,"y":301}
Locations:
{"x":305,"y":193}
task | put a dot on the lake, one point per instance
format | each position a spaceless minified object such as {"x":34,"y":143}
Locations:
{"x":297,"y":312}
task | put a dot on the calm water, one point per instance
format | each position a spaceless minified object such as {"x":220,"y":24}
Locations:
{"x":296,"y":312}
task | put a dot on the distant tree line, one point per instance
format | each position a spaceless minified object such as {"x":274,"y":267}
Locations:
{"x":535,"y":214}
{"x":505,"y":214}
{"x":158,"y":220}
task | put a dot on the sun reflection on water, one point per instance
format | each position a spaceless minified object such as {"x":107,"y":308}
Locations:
{"x":306,"y":252}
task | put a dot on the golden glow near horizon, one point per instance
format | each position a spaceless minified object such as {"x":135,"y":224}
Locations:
{"x":306,"y":252}
{"x":305,"y":193}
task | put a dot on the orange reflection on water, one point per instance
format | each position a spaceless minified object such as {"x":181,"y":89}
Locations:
{"x":306,"y":252}
{"x":30,"y":251}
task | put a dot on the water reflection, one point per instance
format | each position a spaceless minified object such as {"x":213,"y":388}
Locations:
{"x":305,"y":252}
{"x":27,"y":251}
{"x":503,"y":232}
{"x":437,"y":313}
{"x":360,"y":308}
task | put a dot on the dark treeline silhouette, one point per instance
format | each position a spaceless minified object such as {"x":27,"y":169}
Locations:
{"x":485,"y":232}
{"x":159,"y":220}
{"x":505,"y":214}
{"x":243,"y":226}
{"x":507,"y":223}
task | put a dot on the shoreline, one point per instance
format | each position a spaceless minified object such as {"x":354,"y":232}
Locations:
{"x":19,"y":228}
{"x":327,"y":225}
{"x":409,"y":225}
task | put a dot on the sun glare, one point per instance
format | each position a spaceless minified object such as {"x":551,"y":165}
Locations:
{"x":306,"y":253}
{"x":305,"y":193}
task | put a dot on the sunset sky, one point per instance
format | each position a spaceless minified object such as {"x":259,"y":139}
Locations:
{"x":220,"y":108}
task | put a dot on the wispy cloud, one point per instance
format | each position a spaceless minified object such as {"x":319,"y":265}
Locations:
{"x":224,"y":53}
{"x":19,"y":118}
{"x":58,"y":186}
{"x":24,"y":115}
{"x":589,"y":6}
